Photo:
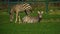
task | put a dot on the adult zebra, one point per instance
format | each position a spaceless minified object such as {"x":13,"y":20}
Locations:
{"x":19,"y":8}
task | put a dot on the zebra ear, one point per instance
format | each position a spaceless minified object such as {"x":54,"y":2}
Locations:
{"x":38,"y":12}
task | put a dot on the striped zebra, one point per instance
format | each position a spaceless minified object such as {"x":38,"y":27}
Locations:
{"x":19,"y":8}
{"x":31,"y":19}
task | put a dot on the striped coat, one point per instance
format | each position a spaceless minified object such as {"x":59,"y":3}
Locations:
{"x":19,"y":8}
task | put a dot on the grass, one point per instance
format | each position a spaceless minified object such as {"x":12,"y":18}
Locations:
{"x":50,"y":24}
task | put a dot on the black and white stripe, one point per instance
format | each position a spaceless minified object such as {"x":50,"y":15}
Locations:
{"x":27,"y":6}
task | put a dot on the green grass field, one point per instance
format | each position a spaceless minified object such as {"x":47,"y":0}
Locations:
{"x":50,"y":24}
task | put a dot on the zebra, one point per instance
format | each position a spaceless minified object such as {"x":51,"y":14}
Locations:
{"x":31,"y":19}
{"x":19,"y":8}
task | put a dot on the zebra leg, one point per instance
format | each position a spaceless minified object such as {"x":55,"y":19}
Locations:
{"x":16,"y":17}
{"x":11,"y":18}
{"x":19,"y":19}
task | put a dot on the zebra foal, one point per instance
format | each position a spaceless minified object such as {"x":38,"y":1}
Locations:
{"x":18,"y":8}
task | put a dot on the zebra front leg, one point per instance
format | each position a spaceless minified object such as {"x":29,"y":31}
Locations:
{"x":16,"y":17}
{"x":19,"y":20}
